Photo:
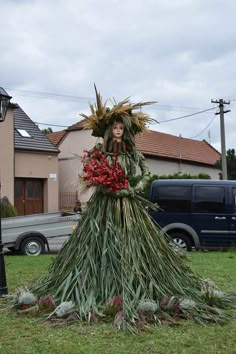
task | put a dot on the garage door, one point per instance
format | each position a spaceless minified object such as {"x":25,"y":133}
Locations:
{"x":29,"y":196}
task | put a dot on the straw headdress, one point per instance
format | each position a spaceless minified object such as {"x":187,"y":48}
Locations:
{"x":102,"y":117}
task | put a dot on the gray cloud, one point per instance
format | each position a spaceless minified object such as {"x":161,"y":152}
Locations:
{"x":181,"y":53}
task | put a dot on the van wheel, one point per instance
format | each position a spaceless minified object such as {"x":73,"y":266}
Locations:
{"x":32,"y":246}
{"x":181,"y":241}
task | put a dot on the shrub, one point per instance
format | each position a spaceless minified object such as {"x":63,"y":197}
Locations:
{"x":7,"y":209}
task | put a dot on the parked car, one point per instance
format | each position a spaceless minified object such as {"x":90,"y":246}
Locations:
{"x":30,"y":234}
{"x":196,"y":213}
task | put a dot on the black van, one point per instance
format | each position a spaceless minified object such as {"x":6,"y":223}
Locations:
{"x":196,"y":213}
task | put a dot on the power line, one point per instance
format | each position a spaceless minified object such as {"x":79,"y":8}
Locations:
{"x":48,"y":95}
{"x":72,"y":98}
{"x":195,"y":136}
{"x":156,"y":105}
{"x":164,"y":121}
{"x":188,"y":115}
{"x":53,"y":96}
{"x":53,"y":125}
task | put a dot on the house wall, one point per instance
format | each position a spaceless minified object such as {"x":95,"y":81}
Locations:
{"x":40,"y":165}
{"x":71,"y":151}
{"x":7,"y":156}
{"x":69,"y":169}
{"x":75,"y":143}
{"x":162,"y":167}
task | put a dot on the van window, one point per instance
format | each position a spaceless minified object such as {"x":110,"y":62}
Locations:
{"x":174,"y":198}
{"x":234,"y":199}
{"x":209,"y":199}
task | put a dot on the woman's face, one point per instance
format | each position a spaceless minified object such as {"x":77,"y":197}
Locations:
{"x":118,"y":131}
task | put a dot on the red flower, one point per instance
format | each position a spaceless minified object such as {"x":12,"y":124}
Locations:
{"x":25,"y":306}
{"x":98,"y":171}
{"x":117,"y":302}
{"x":114,"y":305}
{"x":46,"y":302}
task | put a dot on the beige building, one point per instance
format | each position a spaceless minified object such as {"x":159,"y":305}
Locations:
{"x":28,"y":165}
{"x":165,"y":155}
{"x":7,"y":155}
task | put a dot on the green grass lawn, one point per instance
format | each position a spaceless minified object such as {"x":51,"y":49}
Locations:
{"x":21,"y":334}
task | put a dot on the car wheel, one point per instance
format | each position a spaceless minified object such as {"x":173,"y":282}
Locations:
{"x":32,"y":246}
{"x":181,"y":241}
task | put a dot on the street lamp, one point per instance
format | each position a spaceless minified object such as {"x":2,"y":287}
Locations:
{"x":4,"y":103}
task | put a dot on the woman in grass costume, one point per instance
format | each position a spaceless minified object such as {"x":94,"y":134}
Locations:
{"x":117,"y":255}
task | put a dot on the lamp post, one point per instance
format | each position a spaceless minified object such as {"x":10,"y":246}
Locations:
{"x":4,"y":103}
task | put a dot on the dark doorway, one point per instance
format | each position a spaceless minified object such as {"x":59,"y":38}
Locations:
{"x":29,"y":196}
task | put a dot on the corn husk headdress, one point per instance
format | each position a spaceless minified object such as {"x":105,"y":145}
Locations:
{"x":102,"y":117}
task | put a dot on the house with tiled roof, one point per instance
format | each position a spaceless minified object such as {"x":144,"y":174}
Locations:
{"x":165,"y":154}
{"x":28,"y":165}
{"x":170,"y":154}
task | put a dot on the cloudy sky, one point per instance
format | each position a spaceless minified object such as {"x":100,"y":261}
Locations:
{"x":181,"y":53}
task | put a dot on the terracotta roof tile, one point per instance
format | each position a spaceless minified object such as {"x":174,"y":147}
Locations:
{"x":56,"y":137}
{"x":169,"y":146}
{"x":77,"y":126}
{"x":161,"y":145}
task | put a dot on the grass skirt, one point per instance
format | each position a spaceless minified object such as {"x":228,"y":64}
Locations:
{"x":118,"y":251}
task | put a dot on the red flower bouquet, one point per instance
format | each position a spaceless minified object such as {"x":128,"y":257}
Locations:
{"x":99,"y":172}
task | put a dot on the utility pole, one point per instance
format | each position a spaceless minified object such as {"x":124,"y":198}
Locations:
{"x":221,"y":103}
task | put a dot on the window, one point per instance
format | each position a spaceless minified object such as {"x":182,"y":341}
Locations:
{"x":24,"y":133}
{"x":38,"y":189}
{"x":34,"y":189}
{"x":234,"y":199}
{"x":19,"y":189}
{"x":174,"y":198}
{"x":29,"y":189}
{"x":209,"y":199}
